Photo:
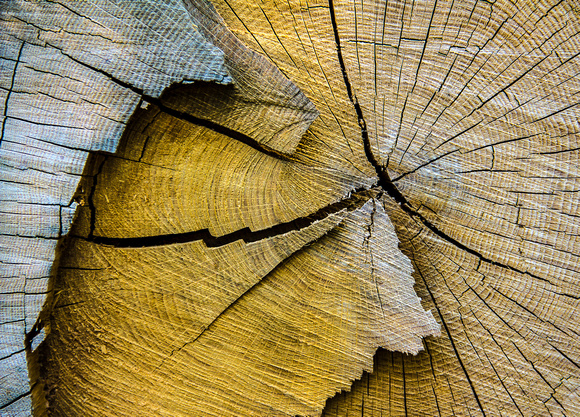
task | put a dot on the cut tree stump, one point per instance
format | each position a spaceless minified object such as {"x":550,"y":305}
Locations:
{"x":264,"y":194}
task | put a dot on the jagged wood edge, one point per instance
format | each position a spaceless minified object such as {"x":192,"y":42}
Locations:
{"x":16,"y":399}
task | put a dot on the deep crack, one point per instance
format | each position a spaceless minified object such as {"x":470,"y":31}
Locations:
{"x":10,"y":91}
{"x":90,"y":198}
{"x":354,"y":201}
{"x":251,"y":142}
{"x":385,"y":182}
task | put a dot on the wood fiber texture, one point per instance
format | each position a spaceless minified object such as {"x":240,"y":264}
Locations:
{"x":249,"y":295}
{"x":72,"y":75}
{"x":342,"y":170}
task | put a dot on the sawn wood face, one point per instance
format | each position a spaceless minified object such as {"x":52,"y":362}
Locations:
{"x":274,"y":190}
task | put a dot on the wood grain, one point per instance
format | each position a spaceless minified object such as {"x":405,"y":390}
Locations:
{"x":448,"y":126}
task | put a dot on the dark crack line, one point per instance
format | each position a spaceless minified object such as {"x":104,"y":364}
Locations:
{"x":534,"y":368}
{"x":10,"y":91}
{"x":501,"y":380}
{"x":385,"y":181}
{"x":19,"y":397}
{"x":231,"y":305}
{"x":556,"y":112}
{"x":91,"y":202}
{"x":60,"y":225}
{"x":451,"y":339}
{"x":497,"y":343}
{"x":566,"y":356}
{"x":404,"y":204}
{"x":35,"y":331}
{"x":220,"y":315}
{"x":12,"y":354}
{"x":354,"y":201}
{"x":458,"y":134}
{"x":425,"y":164}
{"x":233,"y":134}
{"x":424,"y":46}
{"x":388,"y":186}
{"x":404,"y":385}
{"x":383,"y":177}
{"x":78,"y":14}
{"x":434,"y":376}
{"x":370,"y":252}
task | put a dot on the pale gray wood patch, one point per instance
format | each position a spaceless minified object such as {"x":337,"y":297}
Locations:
{"x":71,"y":75}
{"x":19,"y":408}
{"x":14,"y":385}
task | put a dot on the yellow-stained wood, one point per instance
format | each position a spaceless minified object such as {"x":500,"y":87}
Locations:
{"x":455,"y":121}
{"x":172,"y":176}
{"x":220,"y":332}
{"x":71,"y":75}
{"x":267,"y":325}
{"x":508,"y":343}
{"x":471,"y":108}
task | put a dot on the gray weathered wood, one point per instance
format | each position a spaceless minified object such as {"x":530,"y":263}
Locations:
{"x":71,"y":75}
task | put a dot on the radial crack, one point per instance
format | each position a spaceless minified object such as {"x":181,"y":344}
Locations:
{"x":385,"y":181}
{"x":91,"y":202}
{"x":354,"y":201}
{"x":10,"y":91}
{"x":231,"y":133}
{"x":461,"y":364}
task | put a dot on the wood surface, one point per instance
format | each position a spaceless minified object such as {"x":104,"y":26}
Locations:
{"x":267,"y":193}
{"x":72,"y":74}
